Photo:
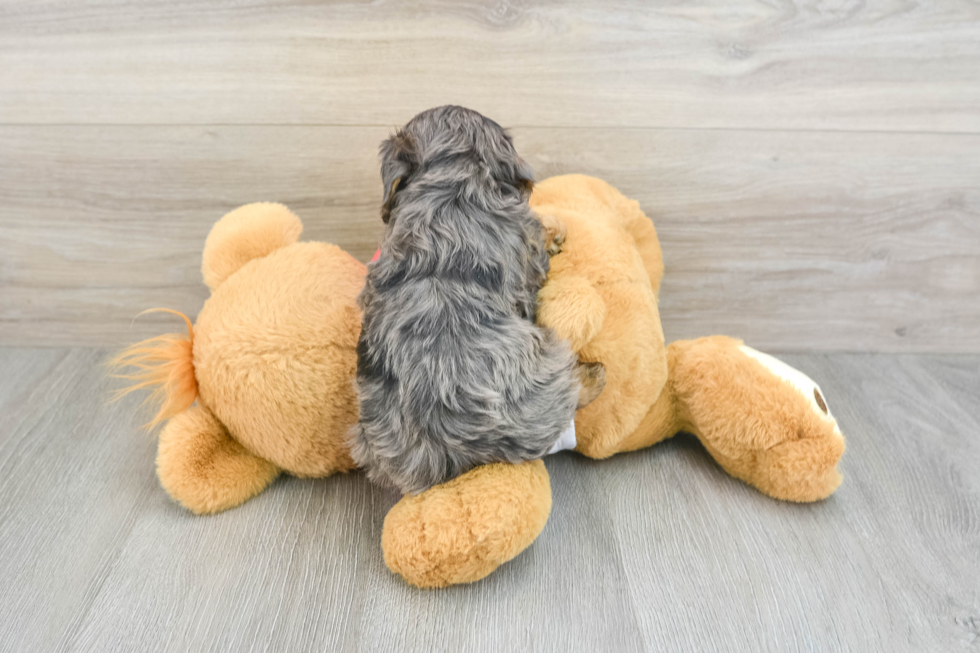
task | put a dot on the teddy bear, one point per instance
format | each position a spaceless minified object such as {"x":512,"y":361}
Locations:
{"x":264,"y":383}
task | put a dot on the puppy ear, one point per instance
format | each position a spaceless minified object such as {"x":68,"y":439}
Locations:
{"x":525,"y":176}
{"x":388,"y":199}
{"x":398,"y":162}
{"x":514,"y":169}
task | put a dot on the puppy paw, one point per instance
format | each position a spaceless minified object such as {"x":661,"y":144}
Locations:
{"x":592,"y":377}
{"x":556,"y":241}
{"x":554,"y":234}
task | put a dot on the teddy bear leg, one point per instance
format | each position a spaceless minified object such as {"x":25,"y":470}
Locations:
{"x":763,"y":421}
{"x":462,"y":530}
{"x":203,"y":468}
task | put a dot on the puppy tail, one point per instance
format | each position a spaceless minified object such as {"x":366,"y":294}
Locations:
{"x":165,"y":364}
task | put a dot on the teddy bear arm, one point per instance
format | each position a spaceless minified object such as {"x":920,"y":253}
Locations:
{"x":462,"y":530}
{"x":203,"y":468}
{"x":572,"y":308}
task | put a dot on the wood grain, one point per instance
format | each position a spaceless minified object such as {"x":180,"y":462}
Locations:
{"x":791,"y":240}
{"x":894,"y":65}
{"x":814,"y":175}
{"x":655,"y":550}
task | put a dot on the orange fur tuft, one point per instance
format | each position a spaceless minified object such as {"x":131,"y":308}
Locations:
{"x":164,"y":363}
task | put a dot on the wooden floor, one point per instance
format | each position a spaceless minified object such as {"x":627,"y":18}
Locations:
{"x":812,"y":167}
{"x":652,"y":551}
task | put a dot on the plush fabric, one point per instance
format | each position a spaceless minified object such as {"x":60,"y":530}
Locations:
{"x":165,"y":364}
{"x":271,"y":363}
{"x":205,"y":469}
{"x":247,"y":233}
{"x":468,"y":526}
{"x":277,"y":367}
{"x":603,"y":277}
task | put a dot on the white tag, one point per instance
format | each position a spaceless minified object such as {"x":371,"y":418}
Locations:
{"x":566,"y":440}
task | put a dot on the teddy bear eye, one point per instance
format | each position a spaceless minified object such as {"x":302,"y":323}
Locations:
{"x":820,"y":401}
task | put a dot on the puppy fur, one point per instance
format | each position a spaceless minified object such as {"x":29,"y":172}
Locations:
{"x":452,"y":372}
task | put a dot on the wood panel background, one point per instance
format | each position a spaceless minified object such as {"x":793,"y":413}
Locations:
{"x":813,"y":168}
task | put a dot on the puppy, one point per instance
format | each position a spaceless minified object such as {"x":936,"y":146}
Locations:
{"x":452,"y":372}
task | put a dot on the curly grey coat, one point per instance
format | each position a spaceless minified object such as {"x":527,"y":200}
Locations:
{"x":452,"y":372}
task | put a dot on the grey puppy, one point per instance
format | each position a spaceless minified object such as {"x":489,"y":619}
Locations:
{"x":452,"y":372}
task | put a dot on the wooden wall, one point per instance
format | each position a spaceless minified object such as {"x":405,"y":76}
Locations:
{"x":813,"y":168}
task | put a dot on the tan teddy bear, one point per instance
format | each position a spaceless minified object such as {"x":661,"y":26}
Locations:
{"x":271,"y":361}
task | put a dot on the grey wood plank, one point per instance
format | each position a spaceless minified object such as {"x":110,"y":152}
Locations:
{"x":22,"y":368}
{"x":655,"y":550}
{"x":74,"y":476}
{"x":893,"y":65}
{"x":791,"y":240}
{"x":888,"y":563}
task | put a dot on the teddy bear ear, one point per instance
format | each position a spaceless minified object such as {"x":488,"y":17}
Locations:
{"x":248,"y":232}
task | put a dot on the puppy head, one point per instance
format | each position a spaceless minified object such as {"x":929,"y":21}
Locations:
{"x":457,"y":144}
